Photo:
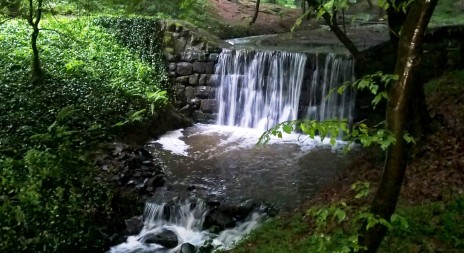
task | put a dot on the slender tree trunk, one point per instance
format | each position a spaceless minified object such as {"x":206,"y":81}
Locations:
{"x":331,"y":21}
{"x":400,"y":94}
{"x":371,"y":5}
{"x":34,"y":20}
{"x":303,"y":7}
{"x":36,"y":67}
{"x":255,"y":16}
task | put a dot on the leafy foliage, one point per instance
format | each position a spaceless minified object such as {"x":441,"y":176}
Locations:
{"x":145,"y":38}
{"x":51,"y":199}
{"x":435,"y":226}
{"x":50,"y":204}
{"x":377,"y":84}
{"x":87,"y":70}
{"x":335,"y":129}
{"x":327,"y":228}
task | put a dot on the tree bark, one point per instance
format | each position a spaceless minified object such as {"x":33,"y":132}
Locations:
{"x":255,"y":16}
{"x":36,"y":68}
{"x":400,"y":94}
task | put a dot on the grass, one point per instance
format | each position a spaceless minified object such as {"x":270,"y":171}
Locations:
{"x":454,"y":78}
{"x":432,"y":227}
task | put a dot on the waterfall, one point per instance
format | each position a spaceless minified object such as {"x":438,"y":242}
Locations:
{"x":263,"y":88}
{"x":258,"y":89}
{"x":184,"y":220}
{"x":322,"y":105}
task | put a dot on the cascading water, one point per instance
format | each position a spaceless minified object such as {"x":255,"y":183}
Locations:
{"x":180,"y":224}
{"x":325,"y":103}
{"x":261,"y":89}
{"x":255,"y":90}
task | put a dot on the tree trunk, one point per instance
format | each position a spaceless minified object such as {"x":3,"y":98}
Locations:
{"x":371,"y":5}
{"x":400,"y":94}
{"x":331,"y":22}
{"x":34,"y":20}
{"x":255,"y":16}
{"x":36,"y":68}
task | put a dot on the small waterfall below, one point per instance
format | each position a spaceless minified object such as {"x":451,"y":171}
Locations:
{"x":171,"y":227}
{"x":259,"y":89}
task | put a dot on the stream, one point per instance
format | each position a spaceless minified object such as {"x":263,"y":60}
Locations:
{"x":221,"y":184}
{"x":222,"y":164}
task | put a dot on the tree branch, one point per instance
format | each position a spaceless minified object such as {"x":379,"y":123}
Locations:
{"x":39,"y":12}
{"x":6,"y":20}
{"x":255,"y":15}
{"x":31,"y":13}
{"x":347,"y":42}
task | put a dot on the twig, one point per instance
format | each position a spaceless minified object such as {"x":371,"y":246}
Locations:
{"x":6,"y":20}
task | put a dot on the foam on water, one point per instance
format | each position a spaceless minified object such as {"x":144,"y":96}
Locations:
{"x":233,"y":138}
{"x":186,"y":222}
{"x":172,"y":141}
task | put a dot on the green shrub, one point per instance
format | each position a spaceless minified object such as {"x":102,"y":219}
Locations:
{"x":333,"y":227}
{"x":51,"y":203}
{"x":51,"y":199}
{"x":86,"y":69}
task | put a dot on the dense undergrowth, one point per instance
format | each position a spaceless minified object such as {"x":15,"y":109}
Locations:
{"x":94,"y":89}
{"x":433,"y":227}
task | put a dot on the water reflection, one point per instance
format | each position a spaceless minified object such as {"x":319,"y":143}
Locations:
{"x":224,"y":162}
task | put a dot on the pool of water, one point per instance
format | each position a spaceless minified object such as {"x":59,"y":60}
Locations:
{"x":225,"y":163}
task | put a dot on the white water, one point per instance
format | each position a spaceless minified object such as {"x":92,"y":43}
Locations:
{"x":224,"y":163}
{"x":334,"y":72}
{"x":258,"y":89}
{"x":261,"y":89}
{"x":185,"y":220}
{"x":171,"y":141}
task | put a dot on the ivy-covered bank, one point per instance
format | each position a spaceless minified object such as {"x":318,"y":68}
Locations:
{"x":95,"y":90}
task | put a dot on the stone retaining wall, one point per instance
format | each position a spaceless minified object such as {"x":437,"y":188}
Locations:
{"x":191,"y":54}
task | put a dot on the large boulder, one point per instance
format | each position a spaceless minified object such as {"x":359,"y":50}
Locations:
{"x":134,"y":225}
{"x":218,"y":220}
{"x":187,"y":248}
{"x":165,"y":238}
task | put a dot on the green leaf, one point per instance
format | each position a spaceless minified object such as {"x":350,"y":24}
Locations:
{"x":390,"y":139}
{"x":287,"y":128}
{"x":408,"y":138}
{"x":340,"y":214}
{"x":342,"y":88}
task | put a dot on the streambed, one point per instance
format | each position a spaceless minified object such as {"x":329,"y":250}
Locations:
{"x":222,"y":164}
